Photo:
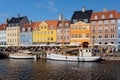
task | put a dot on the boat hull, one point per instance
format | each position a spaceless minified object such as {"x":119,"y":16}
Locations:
{"x":22,"y":56}
{"x":73,"y":58}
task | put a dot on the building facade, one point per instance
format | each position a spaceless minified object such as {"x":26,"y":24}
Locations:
{"x":3,"y":34}
{"x":80,"y":33}
{"x":118,"y":31}
{"x":13,"y":29}
{"x":63,"y":32}
{"x":26,"y":37}
{"x":103,"y":28}
{"x":45,"y":33}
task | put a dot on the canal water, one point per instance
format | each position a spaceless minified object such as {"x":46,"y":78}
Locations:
{"x":42,"y":69}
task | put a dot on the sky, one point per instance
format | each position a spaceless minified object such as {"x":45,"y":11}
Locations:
{"x":40,"y":10}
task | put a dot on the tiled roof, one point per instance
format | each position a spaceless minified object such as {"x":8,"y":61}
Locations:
{"x":52,"y":22}
{"x":65,"y":22}
{"x":107,"y":14}
{"x":118,"y":15}
{"x":2,"y":26}
{"x":32,"y":25}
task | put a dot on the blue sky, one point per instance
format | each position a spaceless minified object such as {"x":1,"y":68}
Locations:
{"x":40,"y":10}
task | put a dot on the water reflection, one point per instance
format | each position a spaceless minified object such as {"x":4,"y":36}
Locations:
{"x":58,"y":70}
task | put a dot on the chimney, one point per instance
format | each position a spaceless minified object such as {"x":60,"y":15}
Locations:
{"x":31,"y":22}
{"x":83,"y":9}
{"x":6,"y":20}
{"x":60,"y":17}
{"x":104,"y":9}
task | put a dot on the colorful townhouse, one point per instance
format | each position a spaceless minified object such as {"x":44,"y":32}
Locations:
{"x":80,"y":34}
{"x":63,"y":32}
{"x":14,"y":26}
{"x":3,"y":34}
{"x":45,"y":33}
{"x":103,"y":28}
{"x":26,"y":33}
{"x":118,"y":31}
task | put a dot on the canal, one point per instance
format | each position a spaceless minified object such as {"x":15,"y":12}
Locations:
{"x":13,"y":69}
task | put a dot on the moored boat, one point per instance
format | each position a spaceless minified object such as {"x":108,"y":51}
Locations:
{"x":81,"y":55}
{"x":22,"y":55}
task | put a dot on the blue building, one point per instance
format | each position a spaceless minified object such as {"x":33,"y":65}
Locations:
{"x":26,"y":37}
{"x":118,"y":31}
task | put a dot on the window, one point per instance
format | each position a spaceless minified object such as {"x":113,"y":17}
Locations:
{"x":111,"y":16}
{"x":66,"y":24}
{"x":99,"y":35}
{"x":72,"y":36}
{"x":106,"y":29}
{"x":87,"y":35}
{"x":60,"y":25}
{"x":112,"y":35}
{"x":36,"y":28}
{"x":112,"y":21}
{"x":103,"y":17}
{"x":119,"y":28}
{"x":23,"y":29}
{"x":106,"y":22}
{"x":93,"y":23}
{"x":86,"y":20}
{"x":106,"y":36}
{"x":119,"y":21}
{"x":52,"y":27}
{"x":112,"y":29}
{"x":118,"y":35}
{"x":95,"y":17}
{"x":74,"y":21}
{"x":99,"y":22}
{"x":100,"y":29}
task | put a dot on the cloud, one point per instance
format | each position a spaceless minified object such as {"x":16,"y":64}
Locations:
{"x":4,"y":14}
{"x":51,"y":6}
{"x":39,"y":5}
{"x":48,"y":5}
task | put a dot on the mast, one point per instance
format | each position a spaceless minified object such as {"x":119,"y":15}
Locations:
{"x":62,"y":30}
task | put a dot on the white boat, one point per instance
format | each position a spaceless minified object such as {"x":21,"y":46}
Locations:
{"x":82,"y":55}
{"x":22,"y":55}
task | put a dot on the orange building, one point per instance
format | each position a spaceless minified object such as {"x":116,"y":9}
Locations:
{"x":80,"y":33}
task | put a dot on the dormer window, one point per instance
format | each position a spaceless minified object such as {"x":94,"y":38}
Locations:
{"x":96,"y":17}
{"x":23,"y":29}
{"x":103,"y":17}
{"x":36,"y":28}
{"x":29,"y":29}
{"x":52,"y":27}
{"x":60,"y":25}
{"x":66,"y":24}
{"x":111,"y":16}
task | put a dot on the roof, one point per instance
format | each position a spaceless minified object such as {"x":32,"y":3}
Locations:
{"x":32,"y":25}
{"x":15,"y":20}
{"x":2,"y":26}
{"x":82,"y":15}
{"x":118,"y":15}
{"x":52,"y":22}
{"x":64,"y":22}
{"x":106,"y":13}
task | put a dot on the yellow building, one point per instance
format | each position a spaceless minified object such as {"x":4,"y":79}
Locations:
{"x":80,"y":33}
{"x":45,"y":33}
